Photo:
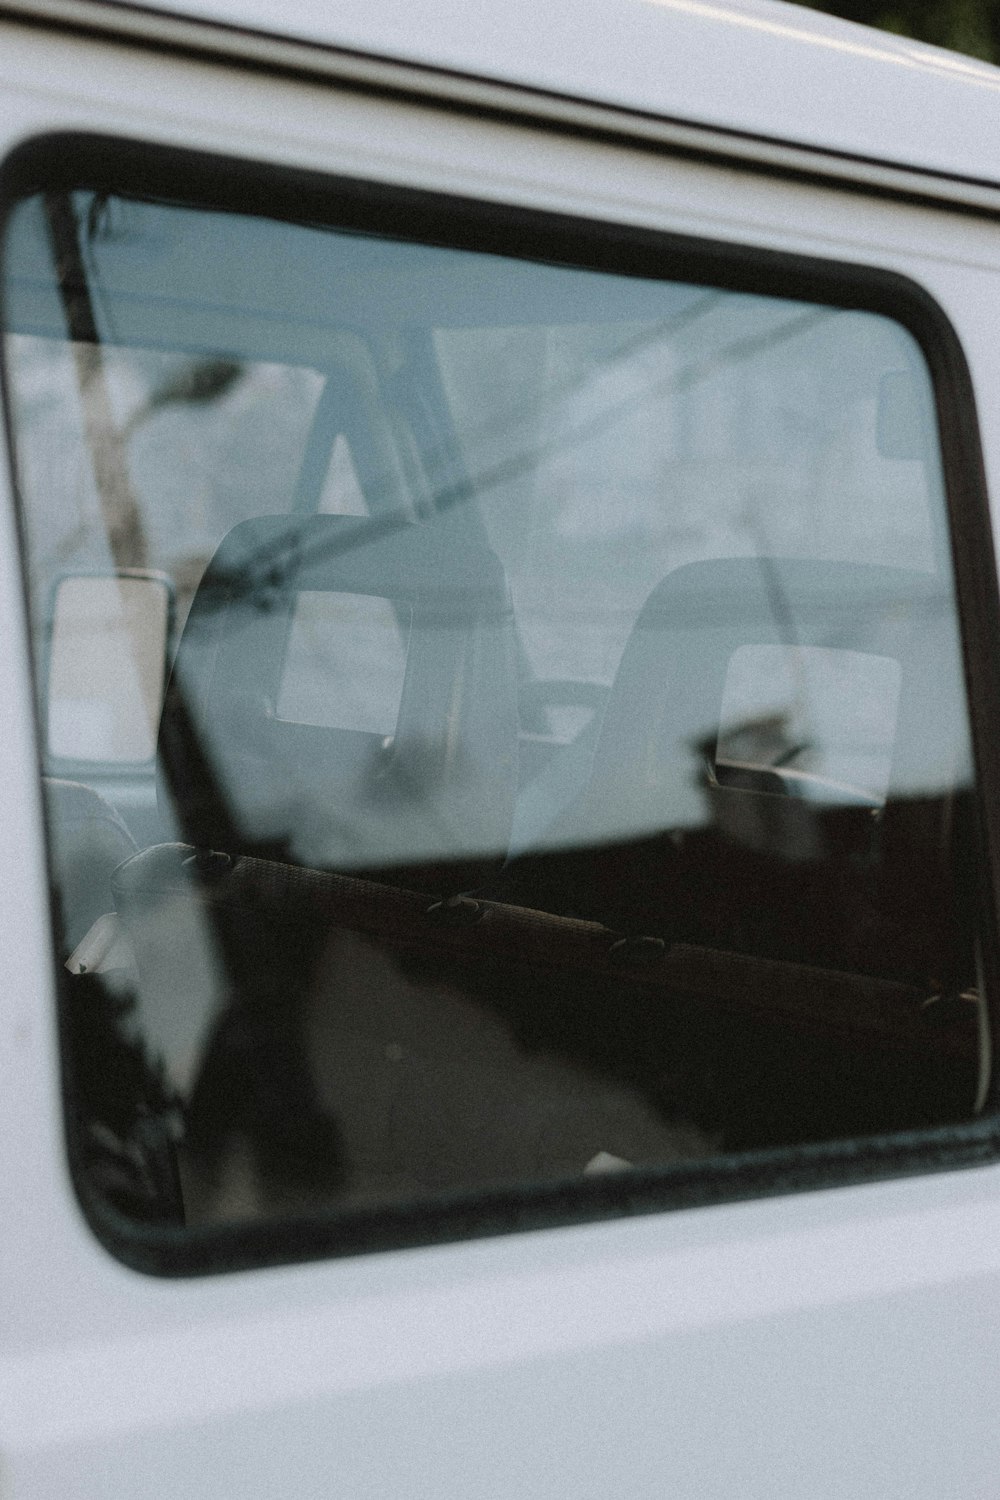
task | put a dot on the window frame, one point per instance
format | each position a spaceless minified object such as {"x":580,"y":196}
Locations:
{"x":208,"y":181}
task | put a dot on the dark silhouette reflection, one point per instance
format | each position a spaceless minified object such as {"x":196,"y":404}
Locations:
{"x":841,"y":887}
{"x":701,"y":953}
{"x":723,"y":996}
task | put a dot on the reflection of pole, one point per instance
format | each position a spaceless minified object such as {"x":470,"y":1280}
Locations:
{"x":784,"y":618}
{"x":119,"y":507}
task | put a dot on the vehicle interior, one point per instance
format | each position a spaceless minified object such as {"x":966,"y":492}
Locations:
{"x":502,"y":715}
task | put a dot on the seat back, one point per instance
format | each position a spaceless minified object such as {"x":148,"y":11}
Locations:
{"x":694,"y":828}
{"x":410,"y":761}
{"x":406,"y":775}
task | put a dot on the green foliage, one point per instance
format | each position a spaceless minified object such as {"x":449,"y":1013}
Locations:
{"x":969,"y":26}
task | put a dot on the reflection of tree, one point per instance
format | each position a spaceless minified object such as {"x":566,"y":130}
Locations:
{"x":971,"y":26}
{"x":196,"y":382}
{"x":119,"y":506}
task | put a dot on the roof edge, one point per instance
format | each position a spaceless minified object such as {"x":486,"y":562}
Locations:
{"x":128,"y":23}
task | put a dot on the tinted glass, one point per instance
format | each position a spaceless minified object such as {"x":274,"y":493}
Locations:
{"x":564,"y":767}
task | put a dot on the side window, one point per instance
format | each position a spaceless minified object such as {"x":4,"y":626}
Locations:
{"x":555,"y":788}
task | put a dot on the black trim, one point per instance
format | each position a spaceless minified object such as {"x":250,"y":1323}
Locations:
{"x":577,"y":1200}
{"x":60,"y":163}
{"x":98,"y":163}
{"x":615,"y":132}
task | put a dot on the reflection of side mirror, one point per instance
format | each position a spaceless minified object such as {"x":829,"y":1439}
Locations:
{"x":109,"y":635}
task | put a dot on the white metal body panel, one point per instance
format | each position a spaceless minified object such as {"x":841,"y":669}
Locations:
{"x":755,"y":66}
{"x":834,"y":1343}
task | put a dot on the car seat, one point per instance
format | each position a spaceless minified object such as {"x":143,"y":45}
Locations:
{"x":298,"y":833}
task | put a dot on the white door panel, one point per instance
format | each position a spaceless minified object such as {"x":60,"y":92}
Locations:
{"x":837,"y":1343}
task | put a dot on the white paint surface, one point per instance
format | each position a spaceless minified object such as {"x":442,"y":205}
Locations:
{"x":760,"y":66}
{"x":833,"y":1344}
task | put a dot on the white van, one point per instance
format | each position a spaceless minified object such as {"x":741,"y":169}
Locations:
{"x":500,"y":796}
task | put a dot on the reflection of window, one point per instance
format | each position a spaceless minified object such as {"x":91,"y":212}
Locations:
{"x":823,"y":718}
{"x":345,"y":663}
